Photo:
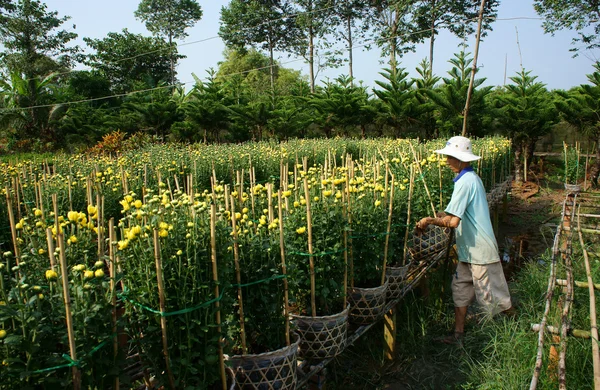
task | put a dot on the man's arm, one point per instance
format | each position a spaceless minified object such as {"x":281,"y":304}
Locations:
{"x":448,"y":221}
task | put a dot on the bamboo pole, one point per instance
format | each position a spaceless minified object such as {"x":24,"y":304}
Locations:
{"x":67,"y":300}
{"x":310,"y":249}
{"x":474,"y":70}
{"x":161,"y":297}
{"x":593,"y":323}
{"x":389,"y":228}
{"x":286,"y":305}
{"x":112,"y":238}
{"x":549,"y":294}
{"x":236,"y":258}
{"x":563,"y":282}
{"x":566,"y":312}
{"x":578,"y":333}
{"x":213,"y":258}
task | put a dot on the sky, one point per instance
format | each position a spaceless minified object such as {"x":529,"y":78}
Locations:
{"x":547,"y":57}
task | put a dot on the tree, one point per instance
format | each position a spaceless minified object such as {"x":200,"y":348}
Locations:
{"x":402,"y":108}
{"x":19,"y":120}
{"x":155,"y":111}
{"x":33,"y":45}
{"x":262,"y":25}
{"x":351,"y":18}
{"x":450,"y":99}
{"x":458,"y":16}
{"x":169,"y":19}
{"x":528,"y":114}
{"x":581,"y":108}
{"x":125,"y":59}
{"x":314,"y":23}
{"x":340,"y":106}
{"x":206,"y":109}
{"x":582,"y":16}
{"x":394,"y":29}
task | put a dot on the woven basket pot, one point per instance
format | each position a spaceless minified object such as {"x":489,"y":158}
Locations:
{"x":429,"y":243}
{"x":572,"y":188}
{"x":367,"y":304}
{"x":395,"y":277}
{"x":322,"y":337}
{"x":269,"y":370}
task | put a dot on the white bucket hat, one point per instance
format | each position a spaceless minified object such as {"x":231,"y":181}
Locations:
{"x":459,"y":148}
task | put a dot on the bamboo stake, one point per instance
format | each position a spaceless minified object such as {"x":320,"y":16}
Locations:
{"x":286,"y":305}
{"x":410,"y":194}
{"x":345,"y":213}
{"x":163,"y":319}
{"x":50,"y":242}
{"x":70,"y":193}
{"x":593,"y":324}
{"x":389,"y":228}
{"x":423,"y":178}
{"x":13,"y":229}
{"x":350,"y":175}
{"x":236,"y":258}
{"x":67,"y":300}
{"x":310,"y":249}
{"x":213,"y":258}
{"x":113,"y":275}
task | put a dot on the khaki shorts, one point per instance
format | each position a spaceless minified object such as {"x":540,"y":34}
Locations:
{"x":486,"y":283}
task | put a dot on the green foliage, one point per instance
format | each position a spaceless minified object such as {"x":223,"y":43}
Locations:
{"x":578,"y":15}
{"x":169,"y":18}
{"x":451,"y":98}
{"x":32,"y":44}
{"x":118,"y":59}
{"x":206,"y":109}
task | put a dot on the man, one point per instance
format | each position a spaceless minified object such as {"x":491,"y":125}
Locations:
{"x":479,"y":272}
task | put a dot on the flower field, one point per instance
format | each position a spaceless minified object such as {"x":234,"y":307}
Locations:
{"x":175,"y":258}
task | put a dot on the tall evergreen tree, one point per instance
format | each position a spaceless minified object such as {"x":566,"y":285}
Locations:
{"x":528,"y":114}
{"x":169,"y":19}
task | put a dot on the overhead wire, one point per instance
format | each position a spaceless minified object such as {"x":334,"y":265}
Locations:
{"x":124,"y":94}
{"x":202,"y":40}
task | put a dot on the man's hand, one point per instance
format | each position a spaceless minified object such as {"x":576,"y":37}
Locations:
{"x":422,"y":224}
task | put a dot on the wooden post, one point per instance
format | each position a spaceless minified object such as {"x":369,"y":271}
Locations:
{"x":389,"y":334}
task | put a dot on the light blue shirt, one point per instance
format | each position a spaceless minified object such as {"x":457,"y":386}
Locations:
{"x":475,"y":239}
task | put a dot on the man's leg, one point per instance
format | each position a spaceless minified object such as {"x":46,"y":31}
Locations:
{"x":460,"y":314}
